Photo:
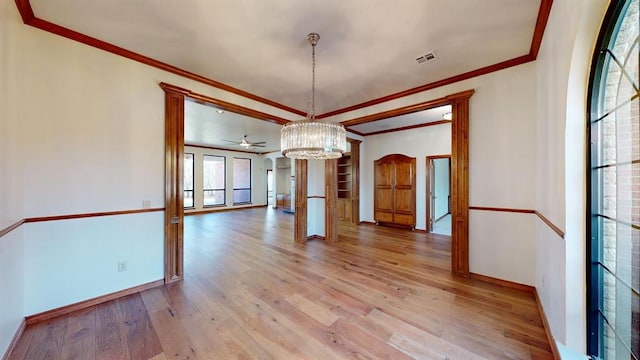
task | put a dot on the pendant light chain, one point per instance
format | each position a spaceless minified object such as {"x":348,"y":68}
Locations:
{"x":312,"y":113}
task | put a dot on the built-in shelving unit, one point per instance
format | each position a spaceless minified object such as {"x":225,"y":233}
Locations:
{"x":344,"y":177}
{"x":347,"y":179}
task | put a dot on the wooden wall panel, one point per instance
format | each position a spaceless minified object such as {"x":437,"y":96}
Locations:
{"x":460,"y":184}
{"x":355,"y":181}
{"x":174,"y":162}
{"x":331,"y":200}
{"x":300,"y":215}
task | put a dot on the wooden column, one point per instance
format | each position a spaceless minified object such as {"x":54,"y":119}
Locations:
{"x":460,"y":183}
{"x":300,"y":215}
{"x":174,"y":194}
{"x":331,"y":200}
{"x":355,"y":181}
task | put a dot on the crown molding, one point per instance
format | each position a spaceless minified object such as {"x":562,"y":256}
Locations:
{"x":29,"y":18}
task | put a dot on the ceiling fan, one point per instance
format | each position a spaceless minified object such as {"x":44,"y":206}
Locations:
{"x":247,"y":144}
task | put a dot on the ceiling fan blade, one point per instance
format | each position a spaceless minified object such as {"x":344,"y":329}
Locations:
{"x":230,"y":141}
{"x":258,"y":143}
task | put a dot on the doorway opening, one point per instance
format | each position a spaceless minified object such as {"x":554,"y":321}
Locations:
{"x":438,"y":202}
{"x":270,"y":183}
{"x":270,"y":200}
{"x":174,"y":162}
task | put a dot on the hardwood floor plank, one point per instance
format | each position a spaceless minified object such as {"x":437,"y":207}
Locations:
{"x":80,"y":339}
{"x":419,"y":343}
{"x":170,"y":331}
{"x":111,"y":340}
{"x":160,"y":356}
{"x":47,"y":339}
{"x":312,"y":309}
{"x":240,"y":343}
{"x":422,"y":348}
{"x":307,"y":325}
{"x":488,"y":344}
{"x":273,"y":330}
{"x":24,"y":344}
{"x":204,"y":333}
{"x":142,"y":340}
{"x":250,"y":292}
{"x":364,"y":343}
{"x":428,"y":322}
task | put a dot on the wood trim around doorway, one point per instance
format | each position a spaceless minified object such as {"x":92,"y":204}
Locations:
{"x":174,"y":194}
{"x":300,"y":213}
{"x":460,"y":183}
{"x":174,"y":150}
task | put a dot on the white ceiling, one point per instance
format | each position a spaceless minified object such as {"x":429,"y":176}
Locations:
{"x":367,"y":48}
{"x":205,"y":126}
{"x":416,"y":118}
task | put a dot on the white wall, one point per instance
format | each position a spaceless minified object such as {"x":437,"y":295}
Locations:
{"x":258,"y":176}
{"x":91,"y":141}
{"x":12,"y":280}
{"x":500,"y":245}
{"x":418,"y":143}
{"x":60,"y":98}
{"x":501,"y":167}
{"x":502,"y":173}
{"x":562,"y":78}
{"x":82,"y":131}
{"x":11,"y":194}
{"x":315,"y":206}
{"x":502,"y":140}
{"x":441,"y":175}
{"x":74,"y":260}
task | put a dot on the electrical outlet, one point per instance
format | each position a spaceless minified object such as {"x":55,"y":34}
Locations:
{"x":146,"y":204}
{"x":122,"y":266}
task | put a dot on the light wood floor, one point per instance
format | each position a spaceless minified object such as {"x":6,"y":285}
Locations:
{"x":250,"y":293}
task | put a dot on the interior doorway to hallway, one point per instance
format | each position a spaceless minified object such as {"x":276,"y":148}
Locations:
{"x":439,"y":194}
{"x":270,"y":198}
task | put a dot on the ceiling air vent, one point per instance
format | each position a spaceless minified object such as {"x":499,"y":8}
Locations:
{"x":426,"y":57}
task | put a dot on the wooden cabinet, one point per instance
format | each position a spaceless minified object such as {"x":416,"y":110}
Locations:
{"x":344,"y":209}
{"x":283,"y":201}
{"x":395,"y":190}
{"x":286,"y":202}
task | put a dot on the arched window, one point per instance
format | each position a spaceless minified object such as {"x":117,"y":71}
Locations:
{"x":613,"y":249}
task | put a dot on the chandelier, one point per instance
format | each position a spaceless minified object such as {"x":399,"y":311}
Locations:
{"x":311,"y":138}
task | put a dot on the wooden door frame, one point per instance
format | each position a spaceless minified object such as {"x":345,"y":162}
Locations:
{"x":459,"y":190}
{"x":459,"y":168}
{"x":266,"y":186}
{"x":174,"y":166}
{"x":174,"y":183}
{"x":174,"y":154}
{"x":355,"y":180}
{"x":428,"y":186}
